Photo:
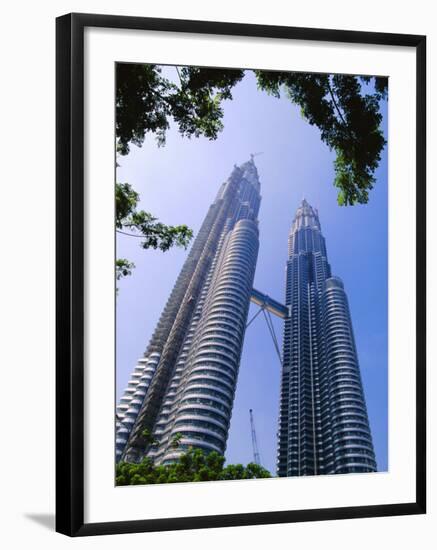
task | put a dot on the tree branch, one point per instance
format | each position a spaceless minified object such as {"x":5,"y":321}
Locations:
{"x":179,"y":74}
{"x":130,"y":234}
{"x":335,"y":103}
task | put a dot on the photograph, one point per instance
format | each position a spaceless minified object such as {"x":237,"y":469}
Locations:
{"x":251,"y":274}
{"x":218,"y":278}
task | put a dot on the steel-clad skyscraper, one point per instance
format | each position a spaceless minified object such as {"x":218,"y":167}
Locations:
{"x":323,"y":424}
{"x":185,"y":383}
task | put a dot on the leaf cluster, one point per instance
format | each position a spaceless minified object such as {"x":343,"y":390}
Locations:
{"x":123,"y":268}
{"x":193,"y":465}
{"x":348,"y":120}
{"x":138,"y":223}
{"x":146,"y":101}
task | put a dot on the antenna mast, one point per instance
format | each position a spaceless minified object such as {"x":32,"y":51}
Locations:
{"x":256,"y":457}
{"x":253,"y":155}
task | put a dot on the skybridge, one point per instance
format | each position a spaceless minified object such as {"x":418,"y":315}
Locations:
{"x":269,"y":306}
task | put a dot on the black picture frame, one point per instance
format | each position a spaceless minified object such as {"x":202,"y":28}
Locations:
{"x":70,"y":273}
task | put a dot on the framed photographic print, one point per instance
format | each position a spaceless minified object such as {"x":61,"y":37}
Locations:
{"x":240,"y":274}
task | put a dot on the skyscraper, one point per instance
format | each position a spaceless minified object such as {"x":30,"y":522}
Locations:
{"x":185,"y":382}
{"x":323,"y":423}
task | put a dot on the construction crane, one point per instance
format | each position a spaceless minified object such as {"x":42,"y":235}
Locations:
{"x":256,"y":457}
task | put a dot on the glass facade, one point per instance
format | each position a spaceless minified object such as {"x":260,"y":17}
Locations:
{"x":323,"y":423}
{"x":185,"y":383}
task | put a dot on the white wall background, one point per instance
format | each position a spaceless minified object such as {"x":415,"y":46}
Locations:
{"x":27,"y":124}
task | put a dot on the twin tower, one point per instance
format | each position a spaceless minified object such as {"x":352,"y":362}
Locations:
{"x":183,"y":387}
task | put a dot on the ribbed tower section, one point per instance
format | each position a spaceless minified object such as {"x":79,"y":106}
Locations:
{"x":195,"y":350}
{"x":323,"y":423}
{"x":128,"y":408}
{"x":351,"y":438}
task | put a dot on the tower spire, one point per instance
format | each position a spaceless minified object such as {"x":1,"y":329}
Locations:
{"x":306,"y":216}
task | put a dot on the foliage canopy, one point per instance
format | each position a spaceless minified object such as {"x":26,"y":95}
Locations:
{"x":348,"y":118}
{"x":193,"y":465}
{"x":345,"y":108}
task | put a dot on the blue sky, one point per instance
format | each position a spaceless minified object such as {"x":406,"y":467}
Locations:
{"x":178,"y":182}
